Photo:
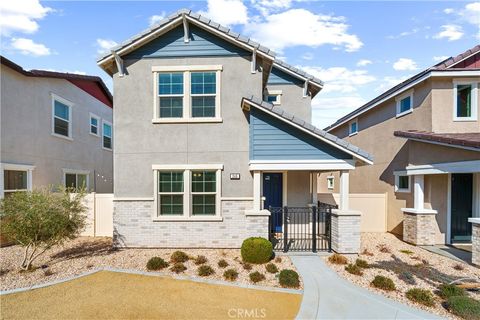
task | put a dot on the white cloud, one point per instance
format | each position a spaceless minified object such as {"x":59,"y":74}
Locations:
{"x":403,"y":64}
{"x":404,"y":34}
{"x":226,"y":12}
{"x":67,"y":71}
{"x":307,"y":56}
{"x":156,"y":18}
{"x":29,"y":48}
{"x":451,"y":32}
{"x":363,"y":62}
{"x":471,"y":13}
{"x":448,"y":11}
{"x":389,"y":82}
{"x":298,"y":27}
{"x":104,"y":45}
{"x":335,"y":103}
{"x":21,"y":16}
{"x":440,"y":58}
{"x":267,"y":7}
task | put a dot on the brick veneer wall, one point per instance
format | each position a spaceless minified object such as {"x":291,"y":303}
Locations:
{"x":346,"y":232}
{"x":419,"y":229}
{"x":476,"y":243}
{"x":133,"y":227}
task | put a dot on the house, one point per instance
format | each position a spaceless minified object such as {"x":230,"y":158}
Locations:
{"x":425,"y":136}
{"x":56,"y":129}
{"x":209,"y":134}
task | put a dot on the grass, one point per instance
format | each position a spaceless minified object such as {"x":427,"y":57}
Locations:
{"x":384,"y":283}
{"x":362,"y":263}
{"x":421,"y":296}
{"x":465,"y":307}
{"x":354,"y":269}
{"x":409,"y":252}
{"x":271,"y":267}
{"x":450,"y":290}
{"x":222,"y":263}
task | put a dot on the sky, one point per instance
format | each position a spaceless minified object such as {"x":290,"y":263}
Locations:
{"x":359,"y":49}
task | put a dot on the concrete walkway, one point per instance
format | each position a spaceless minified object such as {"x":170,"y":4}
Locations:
{"x":328,"y":296}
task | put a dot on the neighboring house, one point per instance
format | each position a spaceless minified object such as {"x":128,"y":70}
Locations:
{"x":196,"y":148}
{"x":56,"y":129}
{"x":425,"y":136}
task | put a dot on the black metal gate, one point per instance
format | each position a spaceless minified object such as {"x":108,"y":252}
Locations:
{"x":301,"y":228}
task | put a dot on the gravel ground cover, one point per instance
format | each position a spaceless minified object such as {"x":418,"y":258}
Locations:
{"x":409,"y":267}
{"x":84,"y":254}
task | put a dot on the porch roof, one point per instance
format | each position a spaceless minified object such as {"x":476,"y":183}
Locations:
{"x":470,"y":141}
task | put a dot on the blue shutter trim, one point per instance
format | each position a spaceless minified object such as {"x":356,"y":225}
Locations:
{"x":202,"y":43}
{"x":279,"y":77}
{"x":273,"y":139}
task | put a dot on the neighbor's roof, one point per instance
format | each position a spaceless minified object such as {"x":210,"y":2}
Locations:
{"x":463,"y":140}
{"x":99,"y":90}
{"x":320,"y":134}
{"x":445,"y":66}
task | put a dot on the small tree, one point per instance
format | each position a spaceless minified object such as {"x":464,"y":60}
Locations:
{"x":40,"y":219}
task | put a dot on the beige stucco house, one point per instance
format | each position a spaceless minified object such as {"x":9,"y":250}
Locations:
{"x":56,"y":129}
{"x":425,"y":136}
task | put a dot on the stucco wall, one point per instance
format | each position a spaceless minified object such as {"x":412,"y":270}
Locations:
{"x":26,"y":127}
{"x":298,"y":187}
{"x":293,"y":100}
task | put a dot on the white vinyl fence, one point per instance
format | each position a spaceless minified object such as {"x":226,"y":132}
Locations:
{"x":99,"y":215}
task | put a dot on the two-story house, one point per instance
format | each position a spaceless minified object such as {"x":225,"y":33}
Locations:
{"x":56,"y":129}
{"x":211,"y":129}
{"x":425,"y":136}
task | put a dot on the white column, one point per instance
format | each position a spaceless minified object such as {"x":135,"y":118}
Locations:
{"x":314,"y":188}
{"x":257,"y":201}
{"x":344,"y":190}
{"x":1,"y":181}
{"x":418,"y":192}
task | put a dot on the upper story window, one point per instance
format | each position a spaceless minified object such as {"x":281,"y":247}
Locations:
{"x":187,"y":94}
{"x":404,"y":103}
{"x":61,"y":117}
{"x":465,"y":97}
{"x":94,"y":124}
{"x":107,"y":135}
{"x":330,"y":182}
{"x":353,"y":127}
{"x":274,"y":97}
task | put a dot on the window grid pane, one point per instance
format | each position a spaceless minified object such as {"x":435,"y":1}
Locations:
{"x":70,"y":180}
{"x":203,"y":204}
{"x":203,"y":83}
{"x":15,"y":180}
{"x":464,"y":97}
{"x":405,"y":104}
{"x":170,"y":83}
{"x":170,"y":182}
{"x":61,"y":110}
{"x":171,"y":107}
{"x":60,"y":126}
{"x":203,"y":182}
{"x":107,"y":136}
{"x":203,"y":106}
{"x":403,"y":182}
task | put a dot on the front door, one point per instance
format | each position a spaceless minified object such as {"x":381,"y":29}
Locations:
{"x":273,"y":191}
{"x":462,"y":207}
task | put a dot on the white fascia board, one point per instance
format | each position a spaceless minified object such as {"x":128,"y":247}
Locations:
{"x":446,"y":167}
{"x":187,"y":167}
{"x":316,"y":165}
{"x":456,"y":73}
{"x":296,"y":75}
{"x":214,"y":67}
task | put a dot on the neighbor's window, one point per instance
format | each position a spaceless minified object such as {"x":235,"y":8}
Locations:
{"x":330,"y":182}
{"x":170,"y":192}
{"x":203,"y":192}
{"x":274,"y":97}
{"x":94,"y":123}
{"x":353,"y":127}
{"x":76,"y":180}
{"x":14,"y":180}
{"x":61,"y":117}
{"x":170,"y":93}
{"x":107,"y":135}
{"x":203,"y":92}
{"x":465,"y":101}
{"x":402,"y":183}
{"x":404,"y":103}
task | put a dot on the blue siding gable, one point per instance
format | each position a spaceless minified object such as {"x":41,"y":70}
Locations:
{"x":279,"y":77}
{"x":273,"y":139}
{"x":202,"y":43}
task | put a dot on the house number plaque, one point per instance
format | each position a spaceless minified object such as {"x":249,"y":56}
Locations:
{"x":234,"y":176}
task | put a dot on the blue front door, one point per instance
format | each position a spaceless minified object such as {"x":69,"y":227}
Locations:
{"x":273,"y":192}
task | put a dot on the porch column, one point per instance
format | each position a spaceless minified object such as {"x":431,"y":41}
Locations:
{"x":418,"y":191}
{"x":1,"y":181}
{"x":257,"y":219}
{"x":257,"y":196}
{"x":314,"y":188}
{"x":344,"y":190}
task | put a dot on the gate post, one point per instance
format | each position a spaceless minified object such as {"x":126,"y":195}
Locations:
{"x":328,"y":225}
{"x":314,"y":228}
{"x":285,"y":229}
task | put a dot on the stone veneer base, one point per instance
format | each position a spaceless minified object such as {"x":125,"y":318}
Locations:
{"x":346,"y":231}
{"x":475,"y":240}
{"x":419,"y":228}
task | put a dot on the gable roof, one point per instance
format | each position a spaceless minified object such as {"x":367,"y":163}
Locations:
{"x":322,"y":135}
{"x":445,"y":67}
{"x":92,"y":85}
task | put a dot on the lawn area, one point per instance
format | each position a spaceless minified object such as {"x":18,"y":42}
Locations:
{"x":112,"y":295}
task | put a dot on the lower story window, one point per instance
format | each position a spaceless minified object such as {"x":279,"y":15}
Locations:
{"x":402,"y":182}
{"x":170,"y":193}
{"x":203,"y":192}
{"x":75,"y":180}
{"x":14,"y":181}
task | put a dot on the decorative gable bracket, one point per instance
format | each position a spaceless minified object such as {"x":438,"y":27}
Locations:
{"x":186,"y":31}
{"x":119,"y":62}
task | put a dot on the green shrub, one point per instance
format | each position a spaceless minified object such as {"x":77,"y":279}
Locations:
{"x":256,"y":250}
{"x":458,"y":267}
{"x":289,"y":279}
{"x":200,"y":260}
{"x":222,"y":263}
{"x":156,"y":263}
{"x":362,"y":263}
{"x":178,"y":267}
{"x":337,"y":259}
{"x":383,"y":283}
{"x":450,"y":290}
{"x":247,"y":266}
{"x":179,"y":256}
{"x":406,"y":251}
{"x":421,"y":296}
{"x":256,"y":277}
{"x":272,"y":268}
{"x":230,"y":275}
{"x":354,"y":269}
{"x":205,"y":271}
{"x":465,"y":307}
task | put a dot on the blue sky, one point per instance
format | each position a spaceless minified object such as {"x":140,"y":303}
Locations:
{"x":359,"y":49}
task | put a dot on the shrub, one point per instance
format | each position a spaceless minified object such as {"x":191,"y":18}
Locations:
{"x":278,"y":259}
{"x":272,"y":268}
{"x":40,"y":219}
{"x":337,"y":259}
{"x":256,"y":250}
{"x":362,"y":263}
{"x":156,"y":263}
{"x":247,"y":266}
{"x":366,"y":252}
{"x":421,"y":296}
{"x":289,"y":279}
{"x":458,"y":267}
{"x":354,"y":269}
{"x":256,"y":277}
{"x":383,"y":248}
{"x":178,"y":267}
{"x":465,"y":307}
{"x":406,"y":251}
{"x":383,"y":283}
{"x":200,"y":260}
{"x":222,"y":263}
{"x":205,"y":271}
{"x":450,"y":290}
{"x":230,"y":275}
{"x":179,"y":256}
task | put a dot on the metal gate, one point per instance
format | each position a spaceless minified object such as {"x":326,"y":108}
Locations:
{"x":301,"y":228}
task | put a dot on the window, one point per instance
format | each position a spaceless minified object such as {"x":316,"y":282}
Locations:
{"x":61,"y":117}
{"x":170,"y":192}
{"x":404,"y":103}
{"x":75,"y":180}
{"x":94,"y":123}
{"x":203,"y":192}
{"x":273,"y":96}
{"x":107,"y":135}
{"x":465,"y":101}
{"x":187,"y":94}
{"x":330,"y":182}
{"x":402,"y":182}
{"x":16,"y":178}
{"x":353,"y":127}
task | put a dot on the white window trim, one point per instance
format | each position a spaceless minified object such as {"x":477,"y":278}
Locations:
{"x":111,"y":137}
{"x":75,"y":172}
{"x":187,"y":194}
{"x":277,"y":93}
{"x":332,"y":179}
{"x":92,"y":115}
{"x":70,"y":105}
{"x":350,"y":133}
{"x":16,"y":167}
{"x":399,"y":174}
{"x":187,"y":118}
{"x":398,"y":100}
{"x":474,"y":115}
